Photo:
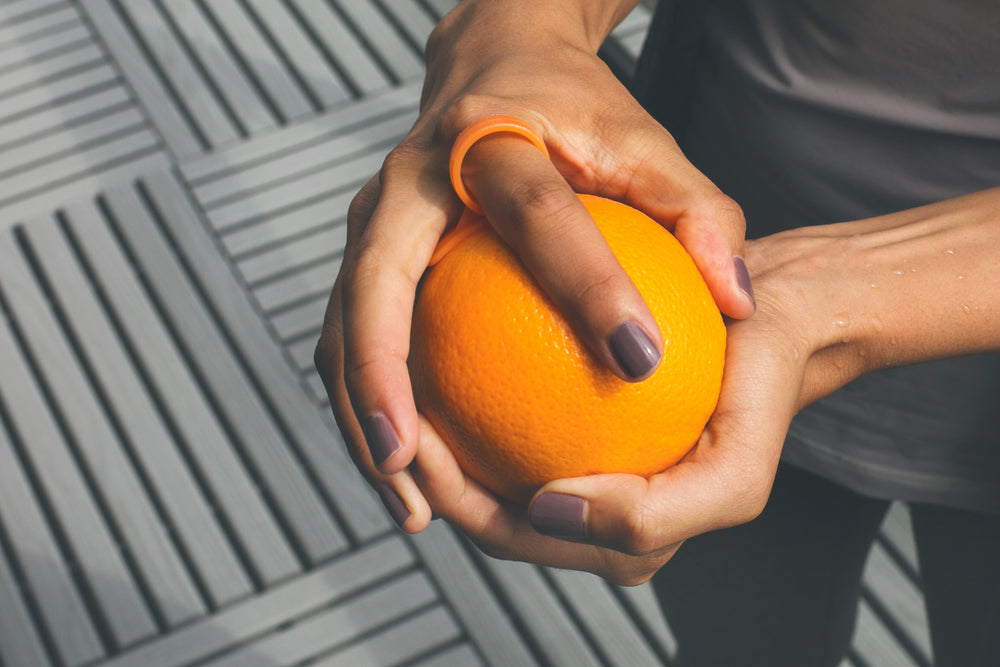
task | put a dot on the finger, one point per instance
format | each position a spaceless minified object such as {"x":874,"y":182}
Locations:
{"x":502,"y":530}
{"x":379,"y":275}
{"x":709,"y":224}
{"x":725,"y":481}
{"x":536,"y":212}
{"x":399,"y":493}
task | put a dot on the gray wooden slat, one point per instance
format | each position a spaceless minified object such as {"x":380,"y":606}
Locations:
{"x":256,"y":206}
{"x":319,"y":212}
{"x":254,"y":526}
{"x":62,"y":119}
{"x":80,"y":519}
{"x":316,"y":387}
{"x":203,"y":169}
{"x":39,"y":97}
{"x":179,"y":135}
{"x":191,"y":517}
{"x":316,"y":246}
{"x":317,"y":440}
{"x":300,"y":506}
{"x":312,"y":281}
{"x":174,"y":63}
{"x":541,"y":613}
{"x":140,"y":142}
{"x":487,"y":623}
{"x":875,"y":644}
{"x":146,"y":538}
{"x":54,"y":146}
{"x":645,"y":609}
{"x":899,"y":597}
{"x":897,"y":531}
{"x":267,"y":67}
{"x":241,"y":99}
{"x":310,"y":65}
{"x":605,"y":622}
{"x":49,"y":69}
{"x":461,"y":655}
{"x":301,"y":353}
{"x":33,"y":15}
{"x":20,"y":643}
{"x":319,"y":154}
{"x":330,"y":628}
{"x":38,"y":201}
{"x":413,"y":19}
{"x":416,"y":635}
{"x":304,"y":319}
{"x":244,"y":620}
{"x":441,"y":7}
{"x":46,"y":575}
{"x":343,"y":45}
{"x":402,"y":60}
{"x":20,"y":50}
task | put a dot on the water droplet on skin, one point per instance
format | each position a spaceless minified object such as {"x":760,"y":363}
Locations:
{"x":960,"y":277}
{"x":898,"y":272}
{"x":873,"y":285}
{"x":842,"y":320}
{"x":949,"y":251}
{"x":966,"y":309}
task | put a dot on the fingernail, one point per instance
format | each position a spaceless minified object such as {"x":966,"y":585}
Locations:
{"x":394,"y":504}
{"x":634,"y":350}
{"x":381,"y":438}
{"x":743,"y":278}
{"x":559,"y":515}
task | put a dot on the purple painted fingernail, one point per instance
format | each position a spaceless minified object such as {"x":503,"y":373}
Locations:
{"x":394,"y":504}
{"x":381,"y":438}
{"x":743,"y":278}
{"x":559,"y":515}
{"x":634,"y":350}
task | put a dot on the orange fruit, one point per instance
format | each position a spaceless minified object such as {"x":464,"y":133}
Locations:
{"x":518,"y":397}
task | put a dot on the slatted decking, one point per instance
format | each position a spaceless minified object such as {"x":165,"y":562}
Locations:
{"x":173,"y":491}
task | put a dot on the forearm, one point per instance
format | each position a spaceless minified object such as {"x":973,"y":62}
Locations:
{"x":912,"y":286}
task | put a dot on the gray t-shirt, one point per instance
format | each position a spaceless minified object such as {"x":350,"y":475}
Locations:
{"x":811,"y":112}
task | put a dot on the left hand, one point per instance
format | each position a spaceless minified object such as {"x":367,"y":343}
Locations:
{"x":625,"y":527}
{"x":820,"y":323}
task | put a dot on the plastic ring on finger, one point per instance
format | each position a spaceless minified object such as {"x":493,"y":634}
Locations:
{"x":473,"y":133}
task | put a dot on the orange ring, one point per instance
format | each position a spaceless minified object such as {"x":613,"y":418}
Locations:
{"x":475,"y":132}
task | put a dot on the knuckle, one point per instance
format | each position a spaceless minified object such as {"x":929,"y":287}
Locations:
{"x":718,"y":209}
{"x":635,"y":538}
{"x":594,"y":286}
{"x":401,"y":158}
{"x":544,"y":199}
{"x":748,"y":498}
{"x":466,"y":109}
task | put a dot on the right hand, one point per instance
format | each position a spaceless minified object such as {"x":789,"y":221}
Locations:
{"x":522,"y":59}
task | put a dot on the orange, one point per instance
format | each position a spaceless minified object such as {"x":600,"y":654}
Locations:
{"x":518,"y":397}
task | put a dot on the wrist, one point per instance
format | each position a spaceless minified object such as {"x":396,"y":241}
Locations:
{"x":908,"y":287}
{"x":492,"y":25}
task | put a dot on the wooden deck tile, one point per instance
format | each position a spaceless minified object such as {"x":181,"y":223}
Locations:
{"x":174,"y":491}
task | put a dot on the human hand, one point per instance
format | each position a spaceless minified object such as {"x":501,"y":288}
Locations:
{"x":527,"y":60}
{"x":834,"y":302}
